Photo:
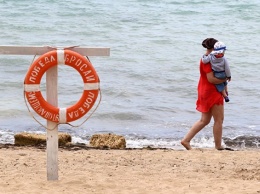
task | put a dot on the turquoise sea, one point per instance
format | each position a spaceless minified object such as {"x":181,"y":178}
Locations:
{"x":149,"y":81}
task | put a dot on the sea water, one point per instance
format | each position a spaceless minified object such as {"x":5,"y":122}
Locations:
{"x":149,"y":81}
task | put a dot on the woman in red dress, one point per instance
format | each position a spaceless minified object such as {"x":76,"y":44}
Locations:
{"x":209,"y":103}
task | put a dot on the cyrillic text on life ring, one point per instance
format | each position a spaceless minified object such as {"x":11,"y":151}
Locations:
{"x":45,"y":109}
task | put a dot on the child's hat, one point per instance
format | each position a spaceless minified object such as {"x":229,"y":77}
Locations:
{"x":219,"y":47}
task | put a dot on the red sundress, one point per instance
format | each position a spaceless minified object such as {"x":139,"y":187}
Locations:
{"x":207,"y":92}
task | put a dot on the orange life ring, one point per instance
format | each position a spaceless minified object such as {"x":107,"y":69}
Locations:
{"x":48,"y":111}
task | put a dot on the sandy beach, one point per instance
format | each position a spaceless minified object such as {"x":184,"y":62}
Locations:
{"x":23,"y":170}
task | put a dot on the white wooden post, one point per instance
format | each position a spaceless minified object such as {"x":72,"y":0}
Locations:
{"x":52,"y":94}
{"x":52,"y":131}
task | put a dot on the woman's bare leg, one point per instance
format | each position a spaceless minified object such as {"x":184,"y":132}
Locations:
{"x":197,"y":126}
{"x":218,"y":115}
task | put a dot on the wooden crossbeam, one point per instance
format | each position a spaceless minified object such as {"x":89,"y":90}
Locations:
{"x":39,"y":50}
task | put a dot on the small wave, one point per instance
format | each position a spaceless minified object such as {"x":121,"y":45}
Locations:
{"x":243,"y":141}
{"x":6,"y":137}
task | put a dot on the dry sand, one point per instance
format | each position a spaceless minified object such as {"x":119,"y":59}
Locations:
{"x":23,"y":170}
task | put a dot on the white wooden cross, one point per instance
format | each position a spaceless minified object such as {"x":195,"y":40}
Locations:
{"x":52,"y":94}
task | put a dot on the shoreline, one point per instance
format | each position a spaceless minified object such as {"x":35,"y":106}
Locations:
{"x":91,"y":170}
{"x":83,"y":146}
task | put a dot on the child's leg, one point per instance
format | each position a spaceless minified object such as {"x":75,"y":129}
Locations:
{"x":224,"y":93}
{"x":222,"y":88}
{"x":226,"y":89}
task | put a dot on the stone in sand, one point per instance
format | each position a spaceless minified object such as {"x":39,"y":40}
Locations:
{"x":24,"y":139}
{"x":108,"y":141}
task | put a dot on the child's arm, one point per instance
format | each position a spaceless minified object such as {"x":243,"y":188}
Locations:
{"x":227,"y":70}
{"x":205,"y":59}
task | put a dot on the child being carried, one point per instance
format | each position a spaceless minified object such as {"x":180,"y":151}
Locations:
{"x":220,"y":67}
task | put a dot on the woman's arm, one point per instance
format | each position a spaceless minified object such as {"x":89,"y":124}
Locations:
{"x":212,"y":79}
